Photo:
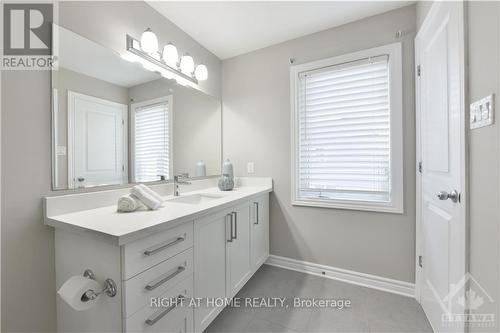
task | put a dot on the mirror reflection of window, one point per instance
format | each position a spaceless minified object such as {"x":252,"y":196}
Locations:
{"x":152,"y":139}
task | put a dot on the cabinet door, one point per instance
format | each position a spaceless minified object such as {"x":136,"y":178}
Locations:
{"x":238,"y":250}
{"x":210,"y":238}
{"x":259,"y":226}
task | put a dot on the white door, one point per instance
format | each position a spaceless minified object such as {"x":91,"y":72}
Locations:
{"x":97,"y":141}
{"x":441,"y":143}
{"x":259,"y":222}
{"x":210,"y":238}
{"x":238,"y":250}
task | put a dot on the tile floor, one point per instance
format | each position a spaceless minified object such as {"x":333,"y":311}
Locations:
{"x":370,"y":310}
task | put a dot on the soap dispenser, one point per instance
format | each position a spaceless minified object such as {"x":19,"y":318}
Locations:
{"x":226,"y":182}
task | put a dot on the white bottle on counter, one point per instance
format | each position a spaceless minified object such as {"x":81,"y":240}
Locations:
{"x":201,"y":169}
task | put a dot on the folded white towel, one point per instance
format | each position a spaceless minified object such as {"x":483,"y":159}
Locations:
{"x":152,"y":192}
{"x":147,"y":199}
{"x":129,"y":203}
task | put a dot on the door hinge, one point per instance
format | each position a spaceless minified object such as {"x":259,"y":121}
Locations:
{"x":419,"y":71}
{"x":420,"y":261}
{"x":420,"y":167}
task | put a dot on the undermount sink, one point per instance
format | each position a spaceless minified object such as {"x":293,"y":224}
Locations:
{"x":196,"y":199}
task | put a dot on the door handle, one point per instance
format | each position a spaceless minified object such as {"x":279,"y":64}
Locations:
{"x":80,"y":179}
{"x":453,"y":195}
{"x":256,"y":204}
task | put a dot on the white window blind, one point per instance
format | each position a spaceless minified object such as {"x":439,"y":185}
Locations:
{"x":343,"y":142}
{"x":152,"y":142}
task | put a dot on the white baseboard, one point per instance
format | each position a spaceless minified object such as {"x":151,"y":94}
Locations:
{"x":362,"y":279}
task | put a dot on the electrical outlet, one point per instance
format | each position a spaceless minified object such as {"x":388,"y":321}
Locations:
{"x":250,"y":167}
{"x":482,"y":112}
{"x":61,"y":150}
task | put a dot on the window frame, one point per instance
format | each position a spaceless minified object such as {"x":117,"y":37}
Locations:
{"x":133,"y":108}
{"x":396,"y":204}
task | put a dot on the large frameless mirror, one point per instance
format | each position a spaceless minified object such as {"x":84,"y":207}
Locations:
{"x":114,"y":122}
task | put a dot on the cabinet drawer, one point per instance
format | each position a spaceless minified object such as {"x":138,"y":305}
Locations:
{"x":156,"y":281}
{"x":147,"y":252}
{"x":165,"y":319}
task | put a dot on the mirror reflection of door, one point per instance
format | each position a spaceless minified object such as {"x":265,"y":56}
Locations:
{"x":151,"y":139}
{"x":97,"y":137}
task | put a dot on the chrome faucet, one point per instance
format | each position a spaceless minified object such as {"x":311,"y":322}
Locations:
{"x":177,"y":181}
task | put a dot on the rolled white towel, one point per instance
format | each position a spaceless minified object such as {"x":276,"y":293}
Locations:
{"x":147,"y":199}
{"x":129,"y":203}
{"x":152,"y":192}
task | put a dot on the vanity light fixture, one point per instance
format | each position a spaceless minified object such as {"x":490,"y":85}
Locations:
{"x":149,"y":41}
{"x":170,"y":55}
{"x":166,"y":63}
{"x":201,"y":72}
{"x":187,"y":64}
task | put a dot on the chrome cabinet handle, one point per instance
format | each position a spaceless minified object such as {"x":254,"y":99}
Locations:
{"x":453,"y":195}
{"x":230,"y":240}
{"x":256,"y":204}
{"x":161,"y":247}
{"x":162,"y":279}
{"x":157,"y":316}
{"x":235,"y":215}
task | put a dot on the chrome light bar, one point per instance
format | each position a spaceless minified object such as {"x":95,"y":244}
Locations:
{"x":133,"y":46}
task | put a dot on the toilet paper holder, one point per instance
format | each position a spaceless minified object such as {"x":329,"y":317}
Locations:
{"x":108,"y":289}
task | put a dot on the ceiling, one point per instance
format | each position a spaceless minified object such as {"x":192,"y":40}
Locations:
{"x":230,"y":28}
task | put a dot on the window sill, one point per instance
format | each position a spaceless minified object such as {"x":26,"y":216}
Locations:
{"x":360,"y":206}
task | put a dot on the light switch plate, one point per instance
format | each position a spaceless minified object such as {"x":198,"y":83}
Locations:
{"x":250,"y":167}
{"x":482,"y":112}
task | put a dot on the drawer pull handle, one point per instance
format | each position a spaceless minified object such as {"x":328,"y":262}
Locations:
{"x":162,"y":279}
{"x":155,"y":250}
{"x":154,"y":319}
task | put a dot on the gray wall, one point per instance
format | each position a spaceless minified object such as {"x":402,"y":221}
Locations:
{"x":28,"y":274}
{"x":256,"y":97}
{"x":483,"y":38}
{"x":484,"y":70}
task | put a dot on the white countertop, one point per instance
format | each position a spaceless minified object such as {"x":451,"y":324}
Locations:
{"x":121,"y":228}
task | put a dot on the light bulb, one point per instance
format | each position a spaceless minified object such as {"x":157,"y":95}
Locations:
{"x":201,"y":72}
{"x":170,"y":55}
{"x":149,"y":42}
{"x":187,"y":64}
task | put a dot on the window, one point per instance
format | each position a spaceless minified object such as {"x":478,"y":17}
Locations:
{"x":152,"y":139}
{"x":347,"y":131}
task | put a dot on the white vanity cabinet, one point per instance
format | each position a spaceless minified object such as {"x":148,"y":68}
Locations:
{"x":238,"y":269}
{"x":210,"y":259}
{"x":177,"y":253}
{"x":259,"y":231}
{"x":223,"y":250}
